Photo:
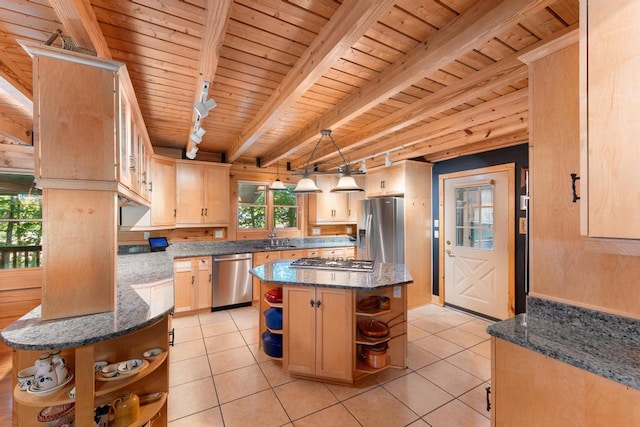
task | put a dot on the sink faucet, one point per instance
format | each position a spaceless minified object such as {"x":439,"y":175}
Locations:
{"x":272,"y":236}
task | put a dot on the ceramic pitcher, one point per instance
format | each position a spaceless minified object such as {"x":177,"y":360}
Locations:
{"x":45,"y":377}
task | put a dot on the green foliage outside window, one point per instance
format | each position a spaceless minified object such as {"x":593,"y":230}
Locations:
{"x":255,"y":200}
{"x":20,"y":230}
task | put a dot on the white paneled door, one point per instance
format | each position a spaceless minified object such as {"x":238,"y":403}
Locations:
{"x":477,"y":244}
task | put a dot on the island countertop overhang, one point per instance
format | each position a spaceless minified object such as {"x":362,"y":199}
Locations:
{"x":280,"y":272}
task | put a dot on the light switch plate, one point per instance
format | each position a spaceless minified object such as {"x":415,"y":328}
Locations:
{"x":436,"y":223}
{"x":436,"y":234}
{"x":397,"y":291}
{"x":315,"y":231}
{"x":146,"y":235}
{"x":218,"y":234}
{"x":349,"y":230}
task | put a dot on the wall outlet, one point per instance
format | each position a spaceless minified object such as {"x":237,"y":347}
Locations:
{"x":349,"y":230}
{"x":315,"y":231}
{"x":397,"y":292}
{"x":218,"y":234}
{"x":146,"y":235}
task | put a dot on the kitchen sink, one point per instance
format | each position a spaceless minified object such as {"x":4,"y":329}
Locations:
{"x":275,"y":248}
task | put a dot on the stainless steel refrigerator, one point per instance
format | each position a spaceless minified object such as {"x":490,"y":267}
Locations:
{"x":381,"y":229}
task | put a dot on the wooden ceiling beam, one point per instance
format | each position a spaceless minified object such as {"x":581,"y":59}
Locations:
{"x":496,"y":76}
{"x":14,"y":131}
{"x":349,"y":23}
{"x":80,"y":22}
{"x":482,"y":22}
{"x":215,"y":27}
{"x":464,"y":121}
{"x":503,"y":141}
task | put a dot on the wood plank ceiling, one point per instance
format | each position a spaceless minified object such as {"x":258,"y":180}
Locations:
{"x":426,"y":79}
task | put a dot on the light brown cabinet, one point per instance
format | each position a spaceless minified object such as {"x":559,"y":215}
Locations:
{"x":386,"y":181}
{"x":162,"y":186}
{"x":530,"y":389}
{"x":91,"y":392}
{"x":328,"y":207}
{"x":609,"y":67}
{"x":192,"y":284}
{"x":318,"y":332}
{"x":202,"y":194}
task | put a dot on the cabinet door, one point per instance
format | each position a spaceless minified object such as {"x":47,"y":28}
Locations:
{"x":374,"y":183}
{"x":334,"y":333}
{"x":189,"y":183}
{"x":611,"y":150}
{"x":394,"y":180}
{"x":299,"y":320}
{"x":354,"y":199}
{"x":203,"y":281}
{"x":75,"y":140}
{"x":216,"y":196}
{"x":184,"y":281}
{"x":163,"y":192}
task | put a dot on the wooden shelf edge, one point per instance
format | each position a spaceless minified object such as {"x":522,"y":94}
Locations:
{"x":372,"y":313}
{"x":106,"y":387}
{"x":59,"y":397}
{"x":148,"y":411}
{"x":275,"y":331}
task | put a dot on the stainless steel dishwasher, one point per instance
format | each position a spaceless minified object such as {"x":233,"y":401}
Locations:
{"x":232,"y":282}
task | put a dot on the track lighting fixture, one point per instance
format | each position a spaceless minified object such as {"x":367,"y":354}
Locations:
{"x":191,"y":154}
{"x":363,"y":166}
{"x":204,"y":105}
{"x":387,"y":160}
{"x":196,"y":135}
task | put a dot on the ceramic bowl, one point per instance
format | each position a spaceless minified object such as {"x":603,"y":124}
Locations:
{"x":130,"y":366}
{"x":97,"y":366}
{"x":109,"y":370}
{"x":26,"y":377}
{"x":152,"y":353}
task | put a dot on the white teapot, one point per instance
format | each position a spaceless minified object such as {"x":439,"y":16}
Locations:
{"x":45,"y":377}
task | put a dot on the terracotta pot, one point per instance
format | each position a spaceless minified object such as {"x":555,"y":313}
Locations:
{"x":374,"y":356}
{"x":373,"y":328}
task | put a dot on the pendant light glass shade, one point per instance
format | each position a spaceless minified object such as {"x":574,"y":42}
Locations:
{"x":306,"y":186}
{"x":346,"y":184}
{"x":277,"y":185}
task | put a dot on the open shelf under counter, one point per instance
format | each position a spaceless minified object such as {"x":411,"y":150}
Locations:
{"x":104,"y":387}
{"x":372,"y":313}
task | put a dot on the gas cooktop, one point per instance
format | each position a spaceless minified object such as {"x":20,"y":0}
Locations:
{"x":334,"y":264}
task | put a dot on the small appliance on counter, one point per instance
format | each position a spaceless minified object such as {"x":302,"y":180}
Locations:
{"x":158,"y":244}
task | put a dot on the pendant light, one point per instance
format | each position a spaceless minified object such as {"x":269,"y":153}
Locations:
{"x":277,"y":184}
{"x":346,"y":183}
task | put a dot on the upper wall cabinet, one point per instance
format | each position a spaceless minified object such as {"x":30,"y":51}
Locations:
{"x":609,"y":66}
{"x":89,"y":132}
{"x":386,"y":181}
{"x":202,"y":194}
{"x":328,"y":207}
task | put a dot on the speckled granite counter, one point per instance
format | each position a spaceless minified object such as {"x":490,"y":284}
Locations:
{"x":30,"y":332}
{"x":383,"y":275}
{"x":600,"y":343}
{"x":180,"y":250}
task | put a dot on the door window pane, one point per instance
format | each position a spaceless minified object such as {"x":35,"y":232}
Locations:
{"x":474,"y":216}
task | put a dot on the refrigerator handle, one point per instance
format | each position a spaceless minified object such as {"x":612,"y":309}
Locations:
{"x":367,"y":244}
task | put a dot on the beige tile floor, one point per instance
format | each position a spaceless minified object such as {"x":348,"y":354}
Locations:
{"x":218,"y":377}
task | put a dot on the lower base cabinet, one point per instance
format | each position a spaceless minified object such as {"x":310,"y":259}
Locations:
{"x":318,"y":338}
{"x":530,"y":389}
{"x":91,"y":391}
{"x":192,"y":284}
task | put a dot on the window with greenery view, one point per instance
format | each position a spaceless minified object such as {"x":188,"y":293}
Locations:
{"x":20,"y":230}
{"x":259,"y":208}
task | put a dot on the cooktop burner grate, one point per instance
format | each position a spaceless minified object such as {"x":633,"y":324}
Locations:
{"x":334,"y":264}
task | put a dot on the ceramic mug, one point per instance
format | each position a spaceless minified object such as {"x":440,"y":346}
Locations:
{"x":59,"y":364}
{"x":26,"y":377}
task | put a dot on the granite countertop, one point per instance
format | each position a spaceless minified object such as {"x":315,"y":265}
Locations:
{"x":601,"y":343}
{"x":383,"y":275}
{"x":180,"y":250}
{"x":30,"y":332}
{"x":134,"y":312}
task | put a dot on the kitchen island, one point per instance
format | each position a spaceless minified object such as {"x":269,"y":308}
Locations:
{"x":335,"y":325}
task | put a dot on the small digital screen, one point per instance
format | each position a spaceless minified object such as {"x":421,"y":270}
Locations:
{"x":158,"y":243}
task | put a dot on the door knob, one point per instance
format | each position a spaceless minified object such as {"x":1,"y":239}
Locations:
{"x":450,"y":252}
